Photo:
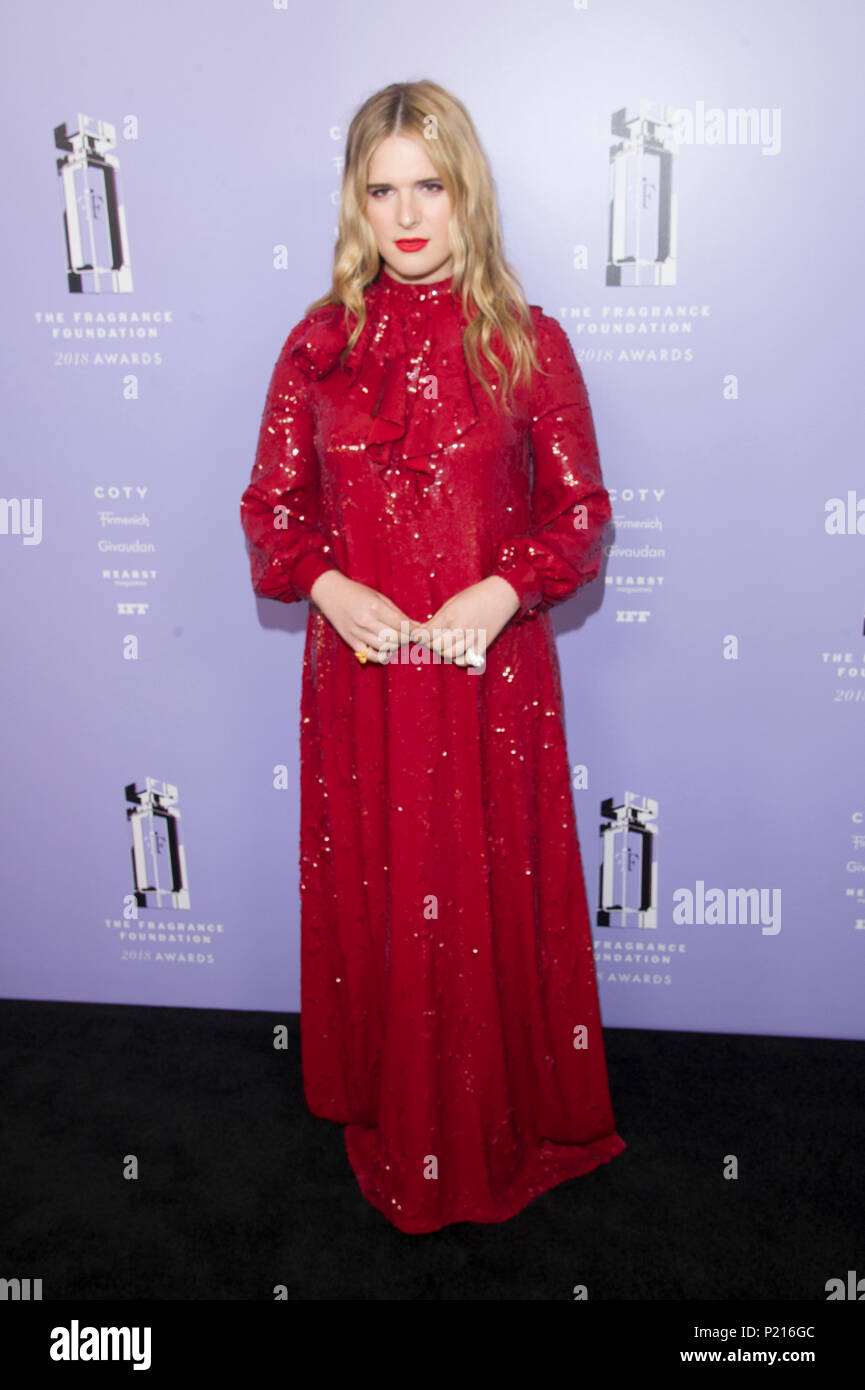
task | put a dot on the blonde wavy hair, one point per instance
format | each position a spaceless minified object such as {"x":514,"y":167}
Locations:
{"x":490,"y":291}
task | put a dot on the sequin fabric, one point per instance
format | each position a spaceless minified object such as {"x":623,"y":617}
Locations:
{"x":447,"y":966}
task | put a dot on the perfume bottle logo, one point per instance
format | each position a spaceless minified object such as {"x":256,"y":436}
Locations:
{"x":94,"y":222}
{"x":629,"y":870}
{"x":158,"y":858}
{"x":643,"y":215}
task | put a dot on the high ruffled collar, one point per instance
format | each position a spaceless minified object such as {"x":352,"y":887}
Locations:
{"x":398,"y":289}
{"x":407,"y":368}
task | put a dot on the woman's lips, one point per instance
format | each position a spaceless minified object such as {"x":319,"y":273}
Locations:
{"x":415,"y":244}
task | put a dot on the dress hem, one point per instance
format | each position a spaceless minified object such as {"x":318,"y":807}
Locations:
{"x":548,"y":1172}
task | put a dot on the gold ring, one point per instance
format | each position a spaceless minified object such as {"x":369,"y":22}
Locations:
{"x":362,"y":656}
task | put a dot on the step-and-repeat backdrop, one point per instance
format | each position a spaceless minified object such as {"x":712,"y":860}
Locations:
{"x":676,"y":187}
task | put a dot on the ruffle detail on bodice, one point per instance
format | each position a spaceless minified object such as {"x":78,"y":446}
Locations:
{"x":407,"y":368}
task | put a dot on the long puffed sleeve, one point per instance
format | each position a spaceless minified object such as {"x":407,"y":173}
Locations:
{"x":570,"y":505}
{"x":279,"y":509}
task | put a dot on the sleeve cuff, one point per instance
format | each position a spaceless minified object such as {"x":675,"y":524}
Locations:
{"x":523,"y":579}
{"x":308,"y":568}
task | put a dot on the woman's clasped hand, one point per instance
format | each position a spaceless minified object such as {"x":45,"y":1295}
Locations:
{"x":368,"y":621}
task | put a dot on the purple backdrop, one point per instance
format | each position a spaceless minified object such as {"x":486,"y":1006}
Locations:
{"x":718,"y":665}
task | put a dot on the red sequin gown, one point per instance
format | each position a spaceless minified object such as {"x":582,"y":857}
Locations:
{"x":446,"y":953}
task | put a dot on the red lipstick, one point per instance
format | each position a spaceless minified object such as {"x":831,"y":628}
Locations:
{"x":413,"y":244}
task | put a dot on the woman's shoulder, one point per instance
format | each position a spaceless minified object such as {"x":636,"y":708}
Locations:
{"x":551,"y":342}
{"x":553,"y":339}
{"x":560,"y":381}
{"x":316,"y":341}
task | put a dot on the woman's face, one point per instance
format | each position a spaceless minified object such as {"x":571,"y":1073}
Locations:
{"x":406,"y":202}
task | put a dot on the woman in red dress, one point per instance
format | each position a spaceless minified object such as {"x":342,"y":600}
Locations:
{"x":427,"y":475}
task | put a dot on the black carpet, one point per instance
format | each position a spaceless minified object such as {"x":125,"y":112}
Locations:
{"x":240,"y":1189}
